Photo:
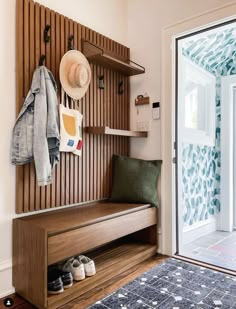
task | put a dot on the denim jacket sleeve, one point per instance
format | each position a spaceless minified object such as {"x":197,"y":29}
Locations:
{"x":40,"y":145}
{"x":46,"y":129}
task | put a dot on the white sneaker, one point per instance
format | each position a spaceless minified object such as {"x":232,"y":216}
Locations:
{"x":76,"y":268}
{"x":89,"y":266}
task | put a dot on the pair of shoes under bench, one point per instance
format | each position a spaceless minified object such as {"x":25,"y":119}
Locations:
{"x":58,"y":280}
{"x":80,"y":267}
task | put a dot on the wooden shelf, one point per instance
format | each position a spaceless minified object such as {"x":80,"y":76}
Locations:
{"x":109,"y":260}
{"x":97,"y":55}
{"x":109,"y":131}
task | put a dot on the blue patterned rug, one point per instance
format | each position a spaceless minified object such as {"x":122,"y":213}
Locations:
{"x":175,"y":285}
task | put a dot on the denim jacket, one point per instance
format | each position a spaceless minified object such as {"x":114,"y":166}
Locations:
{"x":36,"y":131}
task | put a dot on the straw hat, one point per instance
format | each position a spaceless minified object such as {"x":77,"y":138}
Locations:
{"x":75,"y":74}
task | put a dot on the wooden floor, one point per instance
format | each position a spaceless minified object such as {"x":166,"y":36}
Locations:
{"x":86,"y":300}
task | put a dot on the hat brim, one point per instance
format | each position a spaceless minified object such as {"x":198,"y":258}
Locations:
{"x":73,"y":56}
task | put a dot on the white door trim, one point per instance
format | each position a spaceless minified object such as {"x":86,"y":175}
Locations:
{"x":226,"y":185}
{"x":169,"y":34}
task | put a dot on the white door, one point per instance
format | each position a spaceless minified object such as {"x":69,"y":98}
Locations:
{"x":196,"y":90}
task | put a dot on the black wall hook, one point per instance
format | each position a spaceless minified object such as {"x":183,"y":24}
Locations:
{"x":46,"y":36}
{"x":120,"y":87}
{"x":70,"y":42}
{"x":101,"y":82}
{"x":42,"y":59}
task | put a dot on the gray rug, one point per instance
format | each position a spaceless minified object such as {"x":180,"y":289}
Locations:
{"x":174,"y":285}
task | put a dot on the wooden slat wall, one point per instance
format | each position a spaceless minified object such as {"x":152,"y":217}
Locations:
{"x":75,"y":179}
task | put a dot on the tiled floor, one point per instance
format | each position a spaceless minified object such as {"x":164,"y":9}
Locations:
{"x":217,"y":248}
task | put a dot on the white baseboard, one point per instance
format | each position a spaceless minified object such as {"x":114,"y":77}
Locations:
{"x":195,"y":231}
{"x":6,"y":287}
{"x":4,"y":265}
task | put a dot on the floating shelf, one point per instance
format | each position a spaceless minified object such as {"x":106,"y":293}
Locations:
{"x":97,"y":55}
{"x":109,"y":131}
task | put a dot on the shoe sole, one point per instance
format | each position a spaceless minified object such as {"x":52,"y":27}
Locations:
{"x":56,"y":292}
{"x":78,"y":278}
{"x":67,"y":286}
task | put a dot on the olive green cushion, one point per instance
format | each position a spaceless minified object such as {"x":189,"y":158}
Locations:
{"x":134,"y":180}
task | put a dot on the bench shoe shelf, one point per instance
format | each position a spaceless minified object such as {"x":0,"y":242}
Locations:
{"x":117,"y":236}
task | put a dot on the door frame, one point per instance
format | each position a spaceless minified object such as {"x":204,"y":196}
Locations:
{"x":227,"y":152}
{"x":169,"y":213}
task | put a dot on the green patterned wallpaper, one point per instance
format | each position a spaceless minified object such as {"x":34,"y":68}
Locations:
{"x":216,"y":53}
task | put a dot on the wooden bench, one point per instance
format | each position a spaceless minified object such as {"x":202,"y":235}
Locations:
{"x":116,"y":236}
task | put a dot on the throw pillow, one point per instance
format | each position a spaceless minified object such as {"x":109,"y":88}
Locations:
{"x":134,"y":180}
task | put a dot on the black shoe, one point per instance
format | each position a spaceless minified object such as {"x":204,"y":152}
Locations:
{"x":55,"y":284}
{"x":66,"y":278}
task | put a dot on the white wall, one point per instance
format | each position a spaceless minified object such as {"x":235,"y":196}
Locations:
{"x":105,"y":16}
{"x":146,"y":19}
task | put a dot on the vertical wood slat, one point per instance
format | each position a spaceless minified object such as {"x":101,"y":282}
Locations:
{"x":127,"y":103}
{"x":37,"y":56}
{"x":42,"y":52}
{"x":57,"y":63}
{"x":48,"y":65}
{"x":123,"y":115}
{"x":97,"y":145}
{"x":80,"y":167}
{"x":94,"y":102}
{"x":71,"y":156}
{"x":85,"y":138}
{"x":91,"y":138}
{"x":26,"y":88}
{"x":62,"y":155}
{"x":101,"y":122}
{"x":75,"y":158}
{"x":19,"y":97}
{"x":111,"y":103}
{"x":85,"y":34}
{"x":53,"y":70}
{"x":32,"y":182}
{"x":116,"y":102}
{"x":107,"y":122}
{"x":83,"y":178}
{"x":67,"y":155}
